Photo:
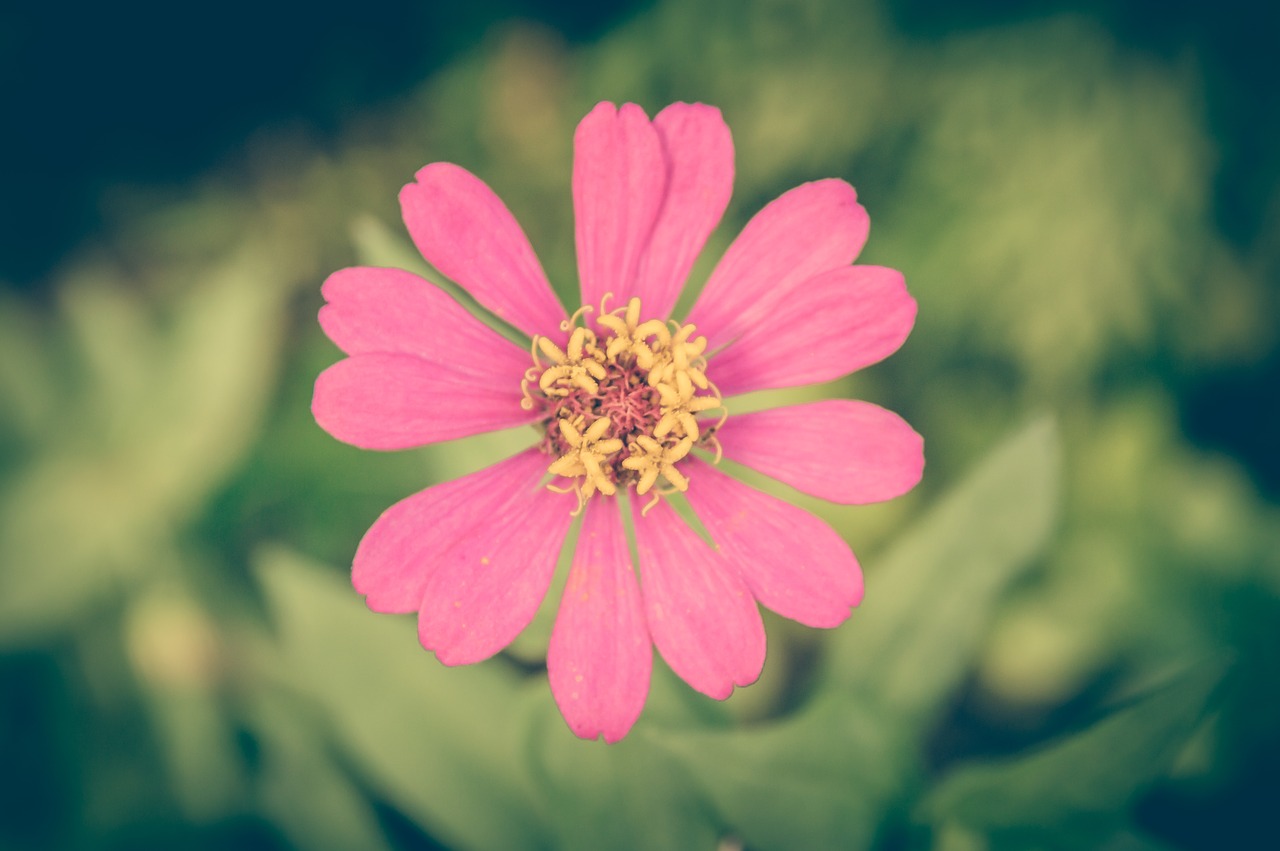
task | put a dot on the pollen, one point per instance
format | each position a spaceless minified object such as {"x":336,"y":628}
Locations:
{"x":621,"y":402}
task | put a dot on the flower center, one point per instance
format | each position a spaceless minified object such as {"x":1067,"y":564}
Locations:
{"x":621,"y":405}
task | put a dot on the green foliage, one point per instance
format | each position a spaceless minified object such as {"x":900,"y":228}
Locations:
{"x":631,"y":795}
{"x":1075,"y":792}
{"x":931,"y":599}
{"x":826,"y":777}
{"x":124,"y":452}
{"x":437,"y":742}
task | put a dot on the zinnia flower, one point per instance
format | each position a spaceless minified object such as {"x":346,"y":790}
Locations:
{"x":630,"y":407}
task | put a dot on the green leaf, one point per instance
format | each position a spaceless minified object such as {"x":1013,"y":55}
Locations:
{"x":378,"y":245}
{"x":826,"y":776}
{"x":28,"y":394}
{"x":821,"y":778}
{"x":633,"y":794}
{"x":956,"y":837}
{"x":930,"y":600}
{"x":443,"y":744}
{"x":301,"y":785}
{"x":1085,"y":782}
{"x":169,"y":409}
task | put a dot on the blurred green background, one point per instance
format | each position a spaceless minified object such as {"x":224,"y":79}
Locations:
{"x":1070,"y":632}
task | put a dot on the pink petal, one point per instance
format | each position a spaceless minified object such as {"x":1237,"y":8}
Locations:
{"x":699,"y":154}
{"x":489,"y":584}
{"x":600,"y":656}
{"x":833,"y":324}
{"x":390,"y":310}
{"x":464,"y":230}
{"x":793,"y":562}
{"x":813,"y":228}
{"x":411,"y":538}
{"x":395,"y":401}
{"x":619,"y":179}
{"x":701,"y":615}
{"x":839,"y":449}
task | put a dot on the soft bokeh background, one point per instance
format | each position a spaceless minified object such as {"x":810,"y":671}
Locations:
{"x":1070,"y":633}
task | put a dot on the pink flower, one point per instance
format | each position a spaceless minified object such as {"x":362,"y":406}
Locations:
{"x":624,"y":401}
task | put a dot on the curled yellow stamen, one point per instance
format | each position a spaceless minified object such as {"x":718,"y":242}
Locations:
{"x":639,"y":385}
{"x":715,"y":441}
{"x":566,"y":324}
{"x":529,"y":376}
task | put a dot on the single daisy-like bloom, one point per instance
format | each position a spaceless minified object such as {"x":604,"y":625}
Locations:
{"x":630,"y":407}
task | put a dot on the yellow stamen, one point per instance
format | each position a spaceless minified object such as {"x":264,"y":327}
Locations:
{"x":630,"y":335}
{"x":679,"y":404}
{"x":650,"y":459}
{"x":578,"y":367}
{"x":551,"y":350}
{"x":566,"y":324}
{"x":715,"y":441}
{"x":588,"y":450}
{"x":593,"y":380}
